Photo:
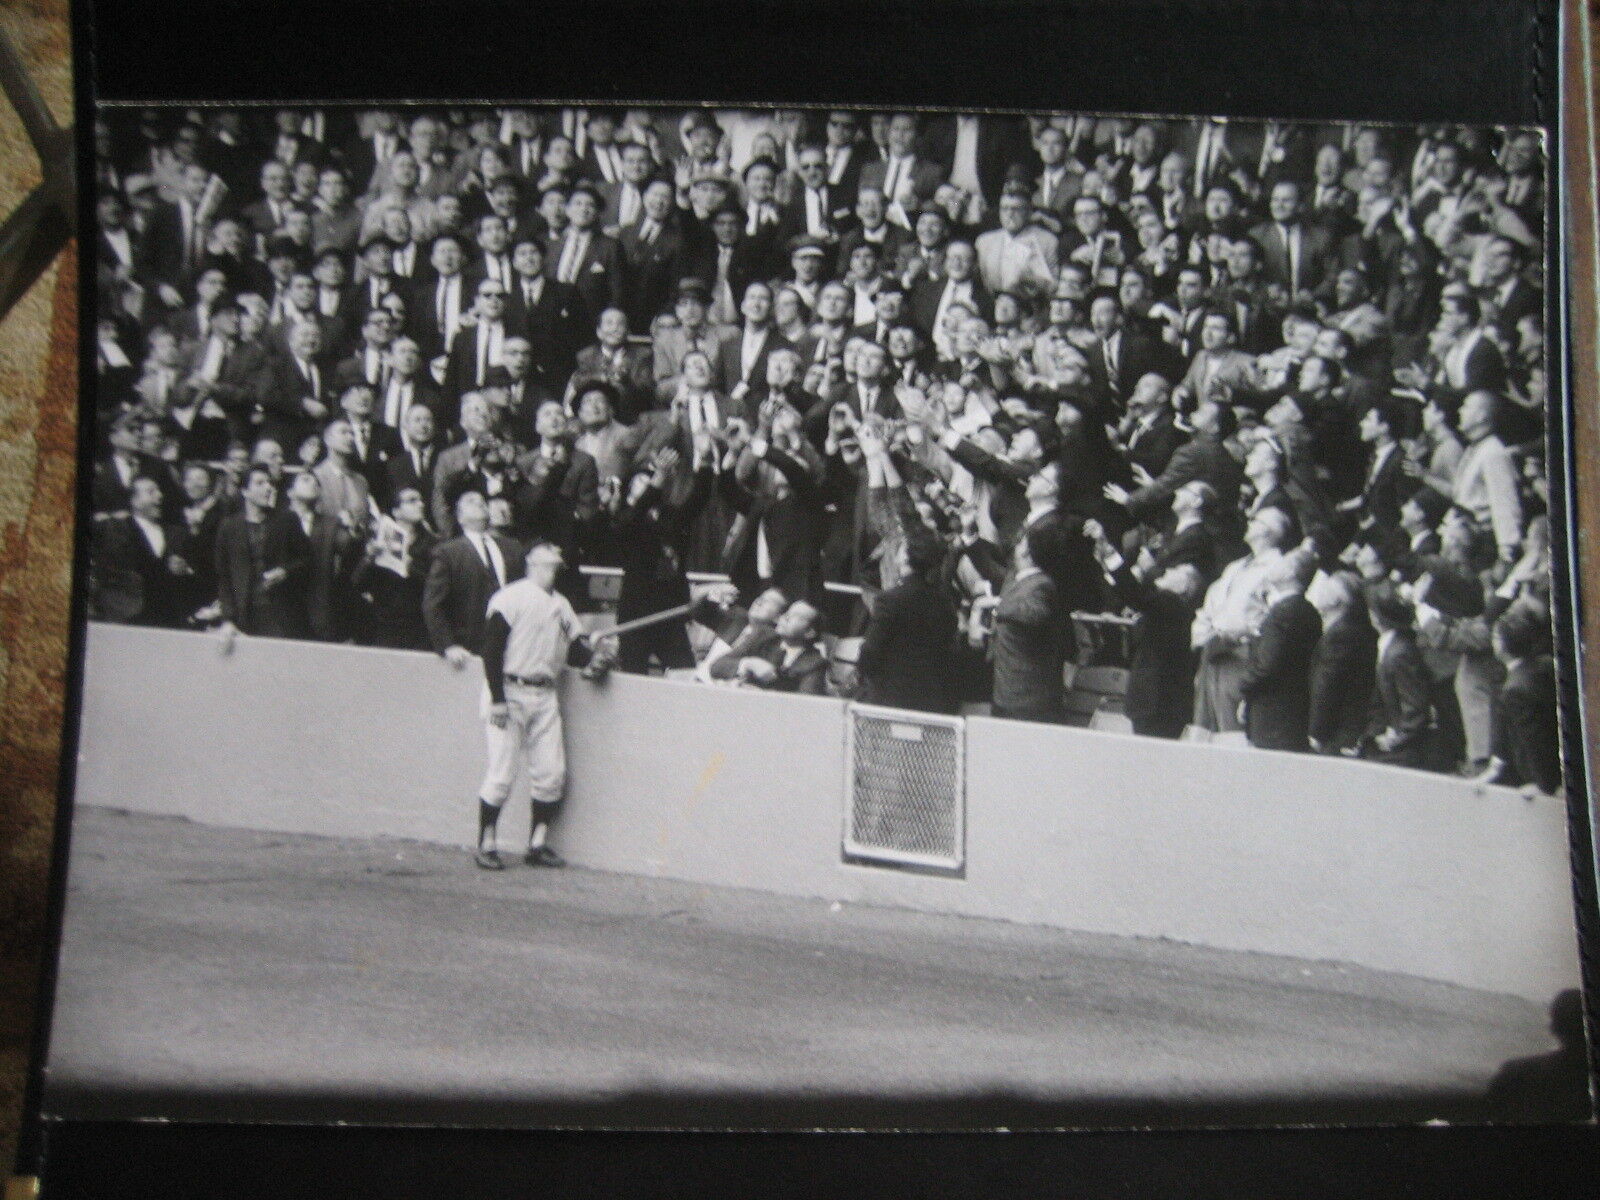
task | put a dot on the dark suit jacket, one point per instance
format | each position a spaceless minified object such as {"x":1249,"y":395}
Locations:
{"x":456,"y":597}
{"x":1342,"y":677}
{"x":1002,"y":143}
{"x":1160,"y":692}
{"x":399,"y":472}
{"x":555,"y":327}
{"x":1199,"y":458}
{"x":1404,"y":700}
{"x":651,"y":272}
{"x":1137,"y":357}
{"x":729,"y":353}
{"x":383,"y":443}
{"x":906,"y":659}
{"x":1277,"y":682}
{"x":1154,"y":447}
{"x":276,"y":611}
{"x":634,"y":377}
{"x":791,"y":523}
{"x":600,"y":272}
{"x":1316,"y":254}
{"x":461,"y":369}
{"x":557,"y":503}
{"x":1027,"y":647}
{"x":125,"y":562}
{"x":922,"y":305}
{"x":926,"y":176}
{"x":806,"y":675}
{"x":1525,"y":725}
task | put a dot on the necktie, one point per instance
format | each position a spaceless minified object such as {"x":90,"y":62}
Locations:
{"x":629,"y":208}
{"x":419,"y":462}
{"x":1111,"y":365}
{"x":394,"y":409}
{"x":360,"y":430}
{"x":891,"y":185}
{"x":569,"y":258}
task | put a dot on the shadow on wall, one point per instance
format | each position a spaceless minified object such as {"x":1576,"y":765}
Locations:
{"x":1548,"y":1087}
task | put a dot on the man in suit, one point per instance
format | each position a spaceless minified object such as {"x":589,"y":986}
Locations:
{"x":1401,"y":729}
{"x":652,"y":246}
{"x":558,"y":498}
{"x":265,"y":217}
{"x":764,"y":230}
{"x":1219,"y":370}
{"x":478,"y":348}
{"x":628,"y":369}
{"x":548,"y":313}
{"x":1149,"y":436}
{"x":1297,"y":255}
{"x":1527,"y":746}
{"x":789,"y":661}
{"x":465,"y":572}
{"x":872,"y":228}
{"x":1277,"y":682}
{"x":260,"y":552}
{"x":1027,"y":649}
{"x":411,"y":465}
{"x":1344,"y":670}
{"x":844,"y":155}
{"x":728,"y":262}
{"x":905,"y":659}
{"x":1503,"y":285}
{"x":1376,"y":511}
{"x":1160,"y":695}
{"x":624,"y":197}
{"x":932,"y":298}
{"x":905,"y":180}
{"x":374,"y":443}
{"x":818,"y":208}
{"x":585,"y":258}
{"x":407,"y":386}
{"x":692,"y":332}
{"x":441,"y":297}
{"x":1120,"y":356}
{"x":492,"y":259}
{"x":140,"y":555}
{"x":370,"y":363}
{"x":297,"y":390}
{"x":1058,"y":183}
{"x":741,"y":364}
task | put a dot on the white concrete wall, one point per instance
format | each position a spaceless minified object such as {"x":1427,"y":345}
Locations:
{"x":1226,"y":847}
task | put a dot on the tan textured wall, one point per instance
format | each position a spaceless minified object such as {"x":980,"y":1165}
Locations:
{"x":38,"y":348}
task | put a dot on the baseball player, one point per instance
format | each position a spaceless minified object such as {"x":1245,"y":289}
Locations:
{"x":530,"y":634}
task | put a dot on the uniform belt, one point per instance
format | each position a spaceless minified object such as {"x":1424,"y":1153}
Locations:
{"x":539,"y":681}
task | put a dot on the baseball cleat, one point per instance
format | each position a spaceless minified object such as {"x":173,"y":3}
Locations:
{"x":544,"y":857}
{"x":489,"y":860}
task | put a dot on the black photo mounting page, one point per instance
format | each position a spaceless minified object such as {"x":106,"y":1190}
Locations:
{"x":659,"y":584}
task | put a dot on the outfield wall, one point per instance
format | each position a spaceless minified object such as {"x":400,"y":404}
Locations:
{"x":1219,"y":846}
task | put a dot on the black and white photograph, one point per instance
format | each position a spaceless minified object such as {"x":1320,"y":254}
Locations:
{"x":816,"y":617}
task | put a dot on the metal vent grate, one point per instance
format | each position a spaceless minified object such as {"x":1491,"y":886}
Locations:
{"x":905,"y":788}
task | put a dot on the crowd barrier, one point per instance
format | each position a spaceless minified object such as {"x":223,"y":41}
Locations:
{"x":1219,"y":846}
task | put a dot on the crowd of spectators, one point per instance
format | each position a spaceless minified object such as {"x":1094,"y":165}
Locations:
{"x":1266,"y":397}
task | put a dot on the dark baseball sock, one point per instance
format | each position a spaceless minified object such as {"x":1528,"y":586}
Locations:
{"x":543,"y":814}
{"x":488,"y":818}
